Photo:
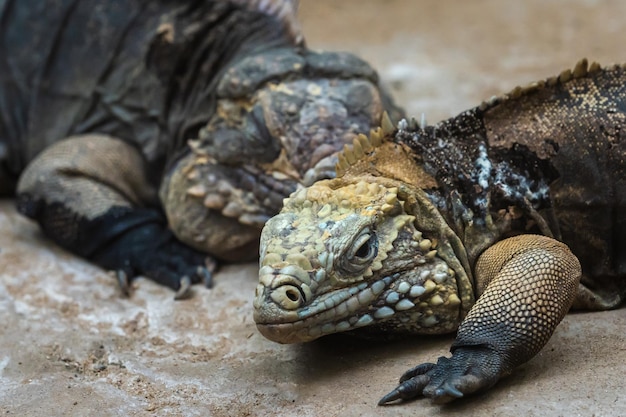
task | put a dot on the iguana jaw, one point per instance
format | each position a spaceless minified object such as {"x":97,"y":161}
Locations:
{"x":344,"y":255}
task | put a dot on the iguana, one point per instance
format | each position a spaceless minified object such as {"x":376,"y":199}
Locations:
{"x":144,"y":135}
{"x":492,"y":223}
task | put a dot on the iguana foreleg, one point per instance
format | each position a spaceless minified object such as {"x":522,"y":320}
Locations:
{"x":91,"y":195}
{"x":529,"y":284}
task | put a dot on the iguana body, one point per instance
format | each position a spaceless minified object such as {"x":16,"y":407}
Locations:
{"x":209,"y":111}
{"x":459,"y":226}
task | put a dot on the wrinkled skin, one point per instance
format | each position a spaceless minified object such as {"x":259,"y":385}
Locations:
{"x":252,"y":154}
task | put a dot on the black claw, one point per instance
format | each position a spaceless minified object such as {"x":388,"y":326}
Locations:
{"x":206,"y":276}
{"x":446,"y":394}
{"x":392,"y":396}
{"x":407,"y":390}
{"x":123,"y":282}
{"x":185,"y":289}
{"x":211,"y":267}
{"x":451,"y":391}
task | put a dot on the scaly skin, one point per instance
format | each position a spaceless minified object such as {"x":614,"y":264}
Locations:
{"x":155,"y":137}
{"x":466,"y":225}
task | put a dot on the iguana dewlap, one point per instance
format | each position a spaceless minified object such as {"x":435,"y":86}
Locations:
{"x":493,"y":223}
{"x":148,"y":134}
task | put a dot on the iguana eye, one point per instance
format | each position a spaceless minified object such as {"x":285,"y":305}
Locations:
{"x":366,"y":247}
{"x":363,"y":250}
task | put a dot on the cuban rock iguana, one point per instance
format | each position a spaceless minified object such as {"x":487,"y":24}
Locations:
{"x":144,"y":135}
{"x":493,"y":223}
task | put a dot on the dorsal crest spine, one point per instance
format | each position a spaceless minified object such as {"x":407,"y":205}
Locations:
{"x":363,"y":144}
{"x":581,"y":69}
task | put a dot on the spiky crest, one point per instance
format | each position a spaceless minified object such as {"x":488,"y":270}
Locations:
{"x":581,"y":69}
{"x":362,"y":144}
{"x":380,"y":156}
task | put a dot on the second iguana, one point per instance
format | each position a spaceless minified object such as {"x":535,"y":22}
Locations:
{"x":492,"y":223}
{"x":153,"y":137}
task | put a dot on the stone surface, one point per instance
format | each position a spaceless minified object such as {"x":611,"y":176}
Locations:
{"x":70,"y":345}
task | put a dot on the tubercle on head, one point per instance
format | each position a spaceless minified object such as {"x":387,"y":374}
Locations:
{"x":330,"y":198}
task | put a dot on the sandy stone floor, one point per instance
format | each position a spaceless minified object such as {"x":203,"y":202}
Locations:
{"x":71,"y":346}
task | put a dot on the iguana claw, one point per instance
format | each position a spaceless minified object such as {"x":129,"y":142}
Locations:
{"x":206,"y":277}
{"x":185,"y":289}
{"x":206,"y":273}
{"x":392,"y":396}
{"x":448,"y":391}
{"x":123,"y":282}
{"x":407,"y":390}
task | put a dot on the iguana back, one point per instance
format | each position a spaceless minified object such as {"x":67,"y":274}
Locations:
{"x":66,"y":70}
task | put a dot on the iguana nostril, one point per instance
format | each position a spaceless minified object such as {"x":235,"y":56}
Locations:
{"x":288,"y":296}
{"x":292,"y":295}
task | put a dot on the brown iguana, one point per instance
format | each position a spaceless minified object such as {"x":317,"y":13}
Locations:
{"x":121,"y":118}
{"x":479,"y":223}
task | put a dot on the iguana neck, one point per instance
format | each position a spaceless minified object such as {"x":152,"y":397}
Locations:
{"x":454,"y":153}
{"x":477,"y":182}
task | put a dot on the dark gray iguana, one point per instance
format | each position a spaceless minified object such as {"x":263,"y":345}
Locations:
{"x":121,"y":118}
{"x":459,"y":226}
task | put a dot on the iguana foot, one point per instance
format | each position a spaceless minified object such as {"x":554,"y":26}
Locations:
{"x":467,"y":371}
{"x":203,"y":274}
{"x":143,"y":246}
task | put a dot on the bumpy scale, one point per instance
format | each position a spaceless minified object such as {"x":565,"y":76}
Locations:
{"x":493,"y":223}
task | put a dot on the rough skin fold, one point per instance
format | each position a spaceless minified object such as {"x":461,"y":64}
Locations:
{"x":493,"y":224}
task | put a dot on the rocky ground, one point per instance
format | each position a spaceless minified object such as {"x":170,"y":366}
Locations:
{"x":70,"y":345}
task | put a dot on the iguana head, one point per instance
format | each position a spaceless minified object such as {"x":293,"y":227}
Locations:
{"x":281,"y":118}
{"x":366,"y":250}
